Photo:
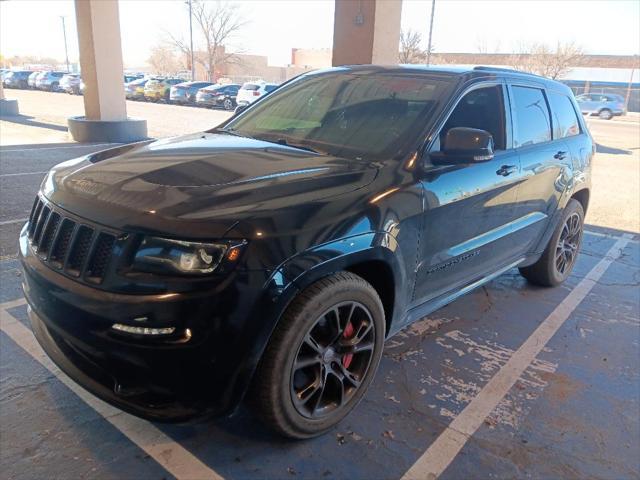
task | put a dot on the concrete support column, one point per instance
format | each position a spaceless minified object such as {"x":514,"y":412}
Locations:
{"x":7,"y":107}
{"x":366,"y":31}
{"x":105,"y":119}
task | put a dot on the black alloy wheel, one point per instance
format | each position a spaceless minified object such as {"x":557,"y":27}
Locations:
{"x":560,"y":255}
{"x":333,"y":359}
{"x":568,"y":243}
{"x":321,"y":358}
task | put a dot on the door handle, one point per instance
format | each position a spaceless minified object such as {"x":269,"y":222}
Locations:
{"x":560,"y":155}
{"x":506,"y":170}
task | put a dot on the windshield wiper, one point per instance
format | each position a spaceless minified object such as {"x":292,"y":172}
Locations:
{"x":283,"y":141}
{"x":228,"y":132}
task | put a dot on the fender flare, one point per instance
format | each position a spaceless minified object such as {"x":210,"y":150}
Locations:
{"x":301,"y":270}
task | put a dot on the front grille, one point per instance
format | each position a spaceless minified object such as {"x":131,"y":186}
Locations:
{"x":66,"y":244}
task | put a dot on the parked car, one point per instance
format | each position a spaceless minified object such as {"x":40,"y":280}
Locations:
{"x":70,"y":83}
{"x":16,"y":79}
{"x":605,"y":106}
{"x":130,"y":77}
{"x":276,"y":253}
{"x":157,"y":89}
{"x":222,"y":96}
{"x":135,"y":90}
{"x":49,"y":81}
{"x":185,"y":92}
{"x":31,"y":81}
{"x":252,"y":91}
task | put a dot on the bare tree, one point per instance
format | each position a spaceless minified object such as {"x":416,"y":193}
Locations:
{"x":410,"y":49}
{"x":540,"y":59}
{"x":164,"y":61}
{"x":218,"y":22}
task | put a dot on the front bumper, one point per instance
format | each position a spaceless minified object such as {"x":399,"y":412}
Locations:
{"x":173,"y":379}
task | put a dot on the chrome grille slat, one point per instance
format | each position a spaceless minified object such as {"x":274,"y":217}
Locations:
{"x":100,"y":256}
{"x":47,"y":233}
{"x":76,"y":249}
{"x":79,"y":250}
{"x":42,"y":219}
{"x":33,"y":219}
{"x":61,"y":243}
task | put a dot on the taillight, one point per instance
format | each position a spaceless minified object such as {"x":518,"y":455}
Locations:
{"x":256,"y":93}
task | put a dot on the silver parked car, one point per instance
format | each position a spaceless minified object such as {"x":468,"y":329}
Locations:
{"x":605,"y":106}
{"x":49,"y":81}
{"x":70,"y":83}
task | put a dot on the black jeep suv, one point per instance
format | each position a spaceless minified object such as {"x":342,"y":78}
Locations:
{"x":275,"y":253}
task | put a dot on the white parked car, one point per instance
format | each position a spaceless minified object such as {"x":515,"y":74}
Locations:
{"x":251,"y":91}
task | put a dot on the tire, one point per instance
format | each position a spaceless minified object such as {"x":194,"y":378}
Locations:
{"x":309,"y":332}
{"x":559,"y":257}
{"x":605,"y":114}
{"x":227,"y":104}
{"x":54,"y":87}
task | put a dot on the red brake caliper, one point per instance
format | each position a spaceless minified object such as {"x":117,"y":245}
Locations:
{"x":347,"y":358}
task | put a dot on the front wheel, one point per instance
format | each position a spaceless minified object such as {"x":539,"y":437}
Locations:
{"x":560,"y":255}
{"x":321,"y":358}
{"x":605,"y":114}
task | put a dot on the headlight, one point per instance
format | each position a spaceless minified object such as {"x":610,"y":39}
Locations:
{"x":165,"y":256}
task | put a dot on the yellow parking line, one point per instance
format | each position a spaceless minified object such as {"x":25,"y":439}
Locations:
{"x":173,"y":457}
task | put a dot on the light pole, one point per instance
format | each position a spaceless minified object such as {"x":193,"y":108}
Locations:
{"x":193,"y":67}
{"x":64,"y":33}
{"x":433,"y":9}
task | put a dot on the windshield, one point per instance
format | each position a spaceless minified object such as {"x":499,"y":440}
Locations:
{"x":353,"y":115}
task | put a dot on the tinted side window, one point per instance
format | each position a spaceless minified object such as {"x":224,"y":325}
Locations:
{"x":482,"y":108}
{"x":565,"y":121}
{"x":531,"y":115}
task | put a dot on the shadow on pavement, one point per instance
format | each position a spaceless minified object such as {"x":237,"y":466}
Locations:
{"x":614,"y":151}
{"x":27,"y":120}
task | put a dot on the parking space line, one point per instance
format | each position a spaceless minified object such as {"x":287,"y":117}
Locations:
{"x":608,"y":235}
{"x":170,"y":455}
{"x":446,"y":447}
{"x":19,"y":174}
{"x":17,"y":220}
{"x":87,"y":145}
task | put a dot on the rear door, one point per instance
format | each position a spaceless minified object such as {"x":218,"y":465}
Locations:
{"x":469,"y":208}
{"x":546,"y":166}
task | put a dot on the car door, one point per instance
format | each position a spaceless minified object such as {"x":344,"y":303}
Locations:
{"x":469,"y":208}
{"x":545,"y":162}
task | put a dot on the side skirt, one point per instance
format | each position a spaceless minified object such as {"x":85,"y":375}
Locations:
{"x":420,"y":311}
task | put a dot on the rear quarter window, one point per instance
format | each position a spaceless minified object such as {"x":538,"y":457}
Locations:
{"x":533,"y":124}
{"x":250,"y":86}
{"x":565,"y":120}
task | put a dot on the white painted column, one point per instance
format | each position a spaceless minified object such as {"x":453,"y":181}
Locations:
{"x":98,"y":23}
{"x":366,"y":31}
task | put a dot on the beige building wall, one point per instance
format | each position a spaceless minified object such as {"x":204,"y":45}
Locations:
{"x":311,"y":57}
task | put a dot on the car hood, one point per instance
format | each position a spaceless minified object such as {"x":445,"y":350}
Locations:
{"x":198,"y":185}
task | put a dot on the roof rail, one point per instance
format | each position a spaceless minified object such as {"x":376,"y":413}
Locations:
{"x":498,"y":69}
{"x":508,"y":70}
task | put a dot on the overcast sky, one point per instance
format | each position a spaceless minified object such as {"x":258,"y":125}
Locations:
{"x":274,"y":27}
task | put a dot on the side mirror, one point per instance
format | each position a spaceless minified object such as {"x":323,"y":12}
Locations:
{"x":240,"y":109}
{"x":465,"y":145}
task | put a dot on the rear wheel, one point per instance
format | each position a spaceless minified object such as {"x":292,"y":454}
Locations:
{"x":321,"y":358}
{"x":605,"y":114}
{"x":228,"y":104}
{"x":560,"y":255}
